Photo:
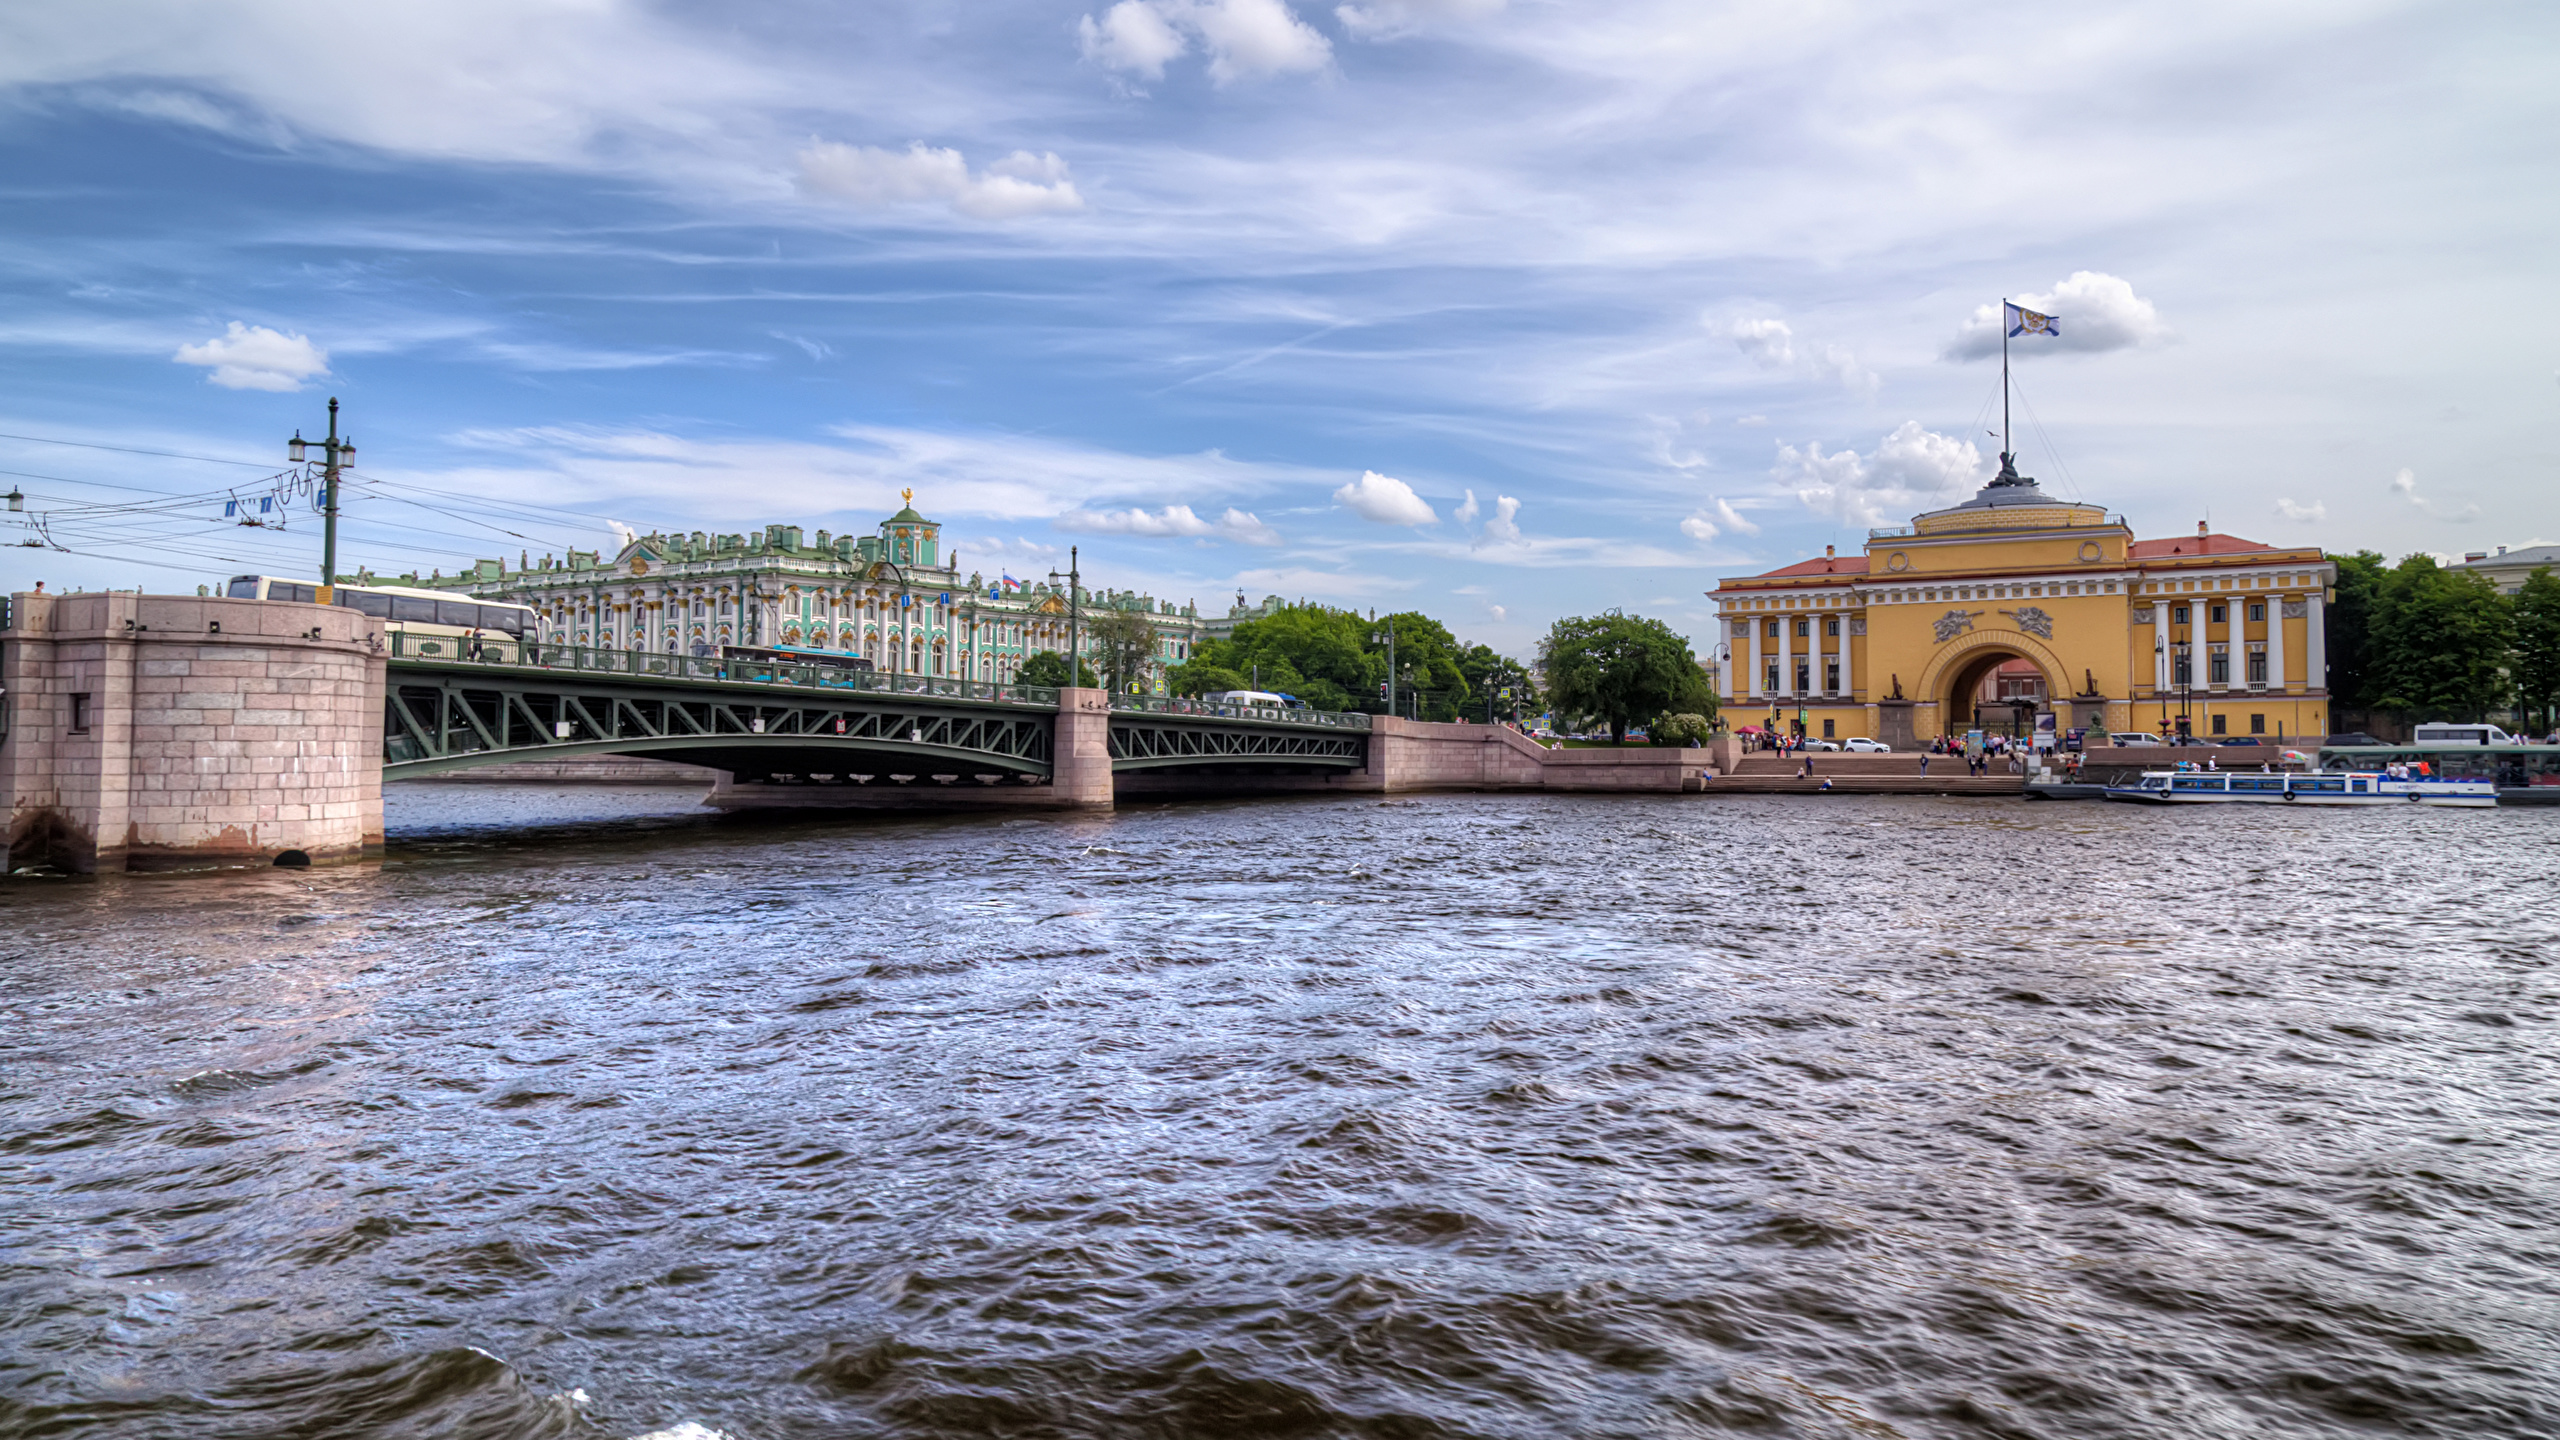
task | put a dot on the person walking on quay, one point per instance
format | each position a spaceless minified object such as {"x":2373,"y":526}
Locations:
{"x":1804,"y":771}
{"x":1924,"y":759}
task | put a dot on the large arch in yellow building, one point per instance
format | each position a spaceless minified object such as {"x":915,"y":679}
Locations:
{"x":1961,"y":663}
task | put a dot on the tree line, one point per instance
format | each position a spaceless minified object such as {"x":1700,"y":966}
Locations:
{"x":2421,"y":641}
{"x":1611,"y":669}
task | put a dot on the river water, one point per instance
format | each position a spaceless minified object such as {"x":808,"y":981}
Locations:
{"x":585,"y":1114}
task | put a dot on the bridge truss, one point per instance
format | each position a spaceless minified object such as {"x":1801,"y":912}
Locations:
{"x":444,"y":718}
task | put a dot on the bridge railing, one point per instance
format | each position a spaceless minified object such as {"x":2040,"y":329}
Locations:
{"x":1266,"y":714}
{"x":527,"y":656}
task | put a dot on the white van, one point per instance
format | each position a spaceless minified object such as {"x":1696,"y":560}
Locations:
{"x":2133,"y":738}
{"x":1249,"y":697}
{"x":2462,"y":735}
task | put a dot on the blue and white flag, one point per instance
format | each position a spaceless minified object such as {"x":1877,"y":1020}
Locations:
{"x":2023,"y":321}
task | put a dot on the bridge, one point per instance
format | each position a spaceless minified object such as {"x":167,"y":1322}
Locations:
{"x":164,"y":732}
{"x":781,"y":722}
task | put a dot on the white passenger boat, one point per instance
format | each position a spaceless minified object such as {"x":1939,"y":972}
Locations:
{"x":2329,"y":787}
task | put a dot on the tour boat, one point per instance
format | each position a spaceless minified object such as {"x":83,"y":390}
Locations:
{"x":2328,"y":787}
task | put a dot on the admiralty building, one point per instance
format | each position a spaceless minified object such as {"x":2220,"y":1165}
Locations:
{"x":895,"y":597}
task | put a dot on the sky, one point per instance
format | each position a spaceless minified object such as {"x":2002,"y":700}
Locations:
{"x":1501,"y":310}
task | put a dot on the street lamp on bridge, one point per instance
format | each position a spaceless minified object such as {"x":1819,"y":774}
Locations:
{"x":336,"y":455}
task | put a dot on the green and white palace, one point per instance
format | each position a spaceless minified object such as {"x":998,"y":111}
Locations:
{"x":896,"y":598}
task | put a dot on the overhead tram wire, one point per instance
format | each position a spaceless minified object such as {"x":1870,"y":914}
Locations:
{"x":129,"y":450}
{"x":2047,"y":441}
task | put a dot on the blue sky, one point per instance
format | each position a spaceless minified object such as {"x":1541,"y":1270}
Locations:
{"x":1502,"y":311}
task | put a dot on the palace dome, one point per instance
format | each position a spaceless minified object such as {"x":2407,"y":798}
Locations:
{"x":2010,"y":502}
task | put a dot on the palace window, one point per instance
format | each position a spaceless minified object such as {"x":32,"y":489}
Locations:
{"x":2217,"y":724}
{"x":1804,"y":629}
{"x":2257,"y":667}
{"x":1831,"y":677}
{"x":2257,"y":609}
{"x":1830,"y":627}
{"x":1773,"y":629}
{"x":1804,"y":675}
{"x":2257,"y":724}
{"x":1826,"y":731}
{"x":2221,"y":613}
{"x":1772,"y":684}
{"x":2218,"y":668}
{"x":2182,"y":671}
{"x":2177,"y":614}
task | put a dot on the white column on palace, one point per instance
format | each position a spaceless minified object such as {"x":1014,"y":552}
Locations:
{"x":1786,"y":658}
{"x":1751,"y":682}
{"x":2275,"y":644}
{"x":2159,"y":646}
{"x":2315,"y":644}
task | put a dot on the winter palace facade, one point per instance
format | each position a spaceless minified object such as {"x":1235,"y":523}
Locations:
{"x":895,"y":597}
{"x":2015,"y":603}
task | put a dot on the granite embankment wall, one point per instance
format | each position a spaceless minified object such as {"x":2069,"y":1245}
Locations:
{"x":147,"y":732}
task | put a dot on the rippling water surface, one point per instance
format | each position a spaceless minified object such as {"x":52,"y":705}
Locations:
{"x":1457,"y":1116}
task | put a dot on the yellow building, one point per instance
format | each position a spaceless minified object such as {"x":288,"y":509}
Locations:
{"x":2210,"y":634}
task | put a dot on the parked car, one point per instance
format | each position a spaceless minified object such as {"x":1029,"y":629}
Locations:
{"x":1815,"y":743}
{"x":2237,"y":740}
{"x":2131,"y":738}
{"x":1861,"y":745}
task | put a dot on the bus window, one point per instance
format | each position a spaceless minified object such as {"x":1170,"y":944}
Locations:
{"x":280,"y":590}
{"x":416,"y":611}
{"x":365,"y":603}
{"x":243,"y":588}
{"x":457,"y":612}
{"x":502,"y":617}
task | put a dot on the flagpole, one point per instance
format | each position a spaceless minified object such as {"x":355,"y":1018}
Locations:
{"x":2005,"y":451}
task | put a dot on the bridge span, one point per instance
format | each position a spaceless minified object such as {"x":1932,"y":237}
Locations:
{"x":147,"y":732}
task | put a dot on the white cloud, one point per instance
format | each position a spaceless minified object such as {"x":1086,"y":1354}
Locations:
{"x":2406,"y":485}
{"x":1753,"y":422}
{"x":875,"y":178}
{"x":1384,"y":499}
{"x":1500,"y":612}
{"x":1466,"y":513}
{"x":2092,"y":312}
{"x":1770,"y":342}
{"x":1244,"y":39}
{"x":1504,"y":527}
{"x":1911,"y":469}
{"x":2290,"y":510}
{"x":1248,"y":38}
{"x":253,"y":357}
{"x":1133,"y":37}
{"x":1386,"y":19}
{"x":1708,"y":522}
{"x":1172,"y":520}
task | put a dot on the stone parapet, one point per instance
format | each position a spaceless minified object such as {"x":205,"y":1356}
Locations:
{"x":147,"y":732}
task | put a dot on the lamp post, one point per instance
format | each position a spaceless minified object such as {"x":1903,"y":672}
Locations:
{"x":1389,"y":635}
{"x":335,"y":455}
{"x":1075,"y":616}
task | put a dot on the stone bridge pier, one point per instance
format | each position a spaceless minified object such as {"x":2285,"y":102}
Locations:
{"x":149,"y":732}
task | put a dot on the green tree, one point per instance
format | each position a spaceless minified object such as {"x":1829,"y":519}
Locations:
{"x":1202,"y":678}
{"x":1680,"y":729}
{"x":2537,"y":655}
{"x":1506,"y":682}
{"x":2441,"y":642}
{"x":1050,"y":668}
{"x":1426,"y":663}
{"x":2352,"y":678}
{"x":1310,"y":651}
{"x":1620,"y":669}
{"x":1124,"y":641}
